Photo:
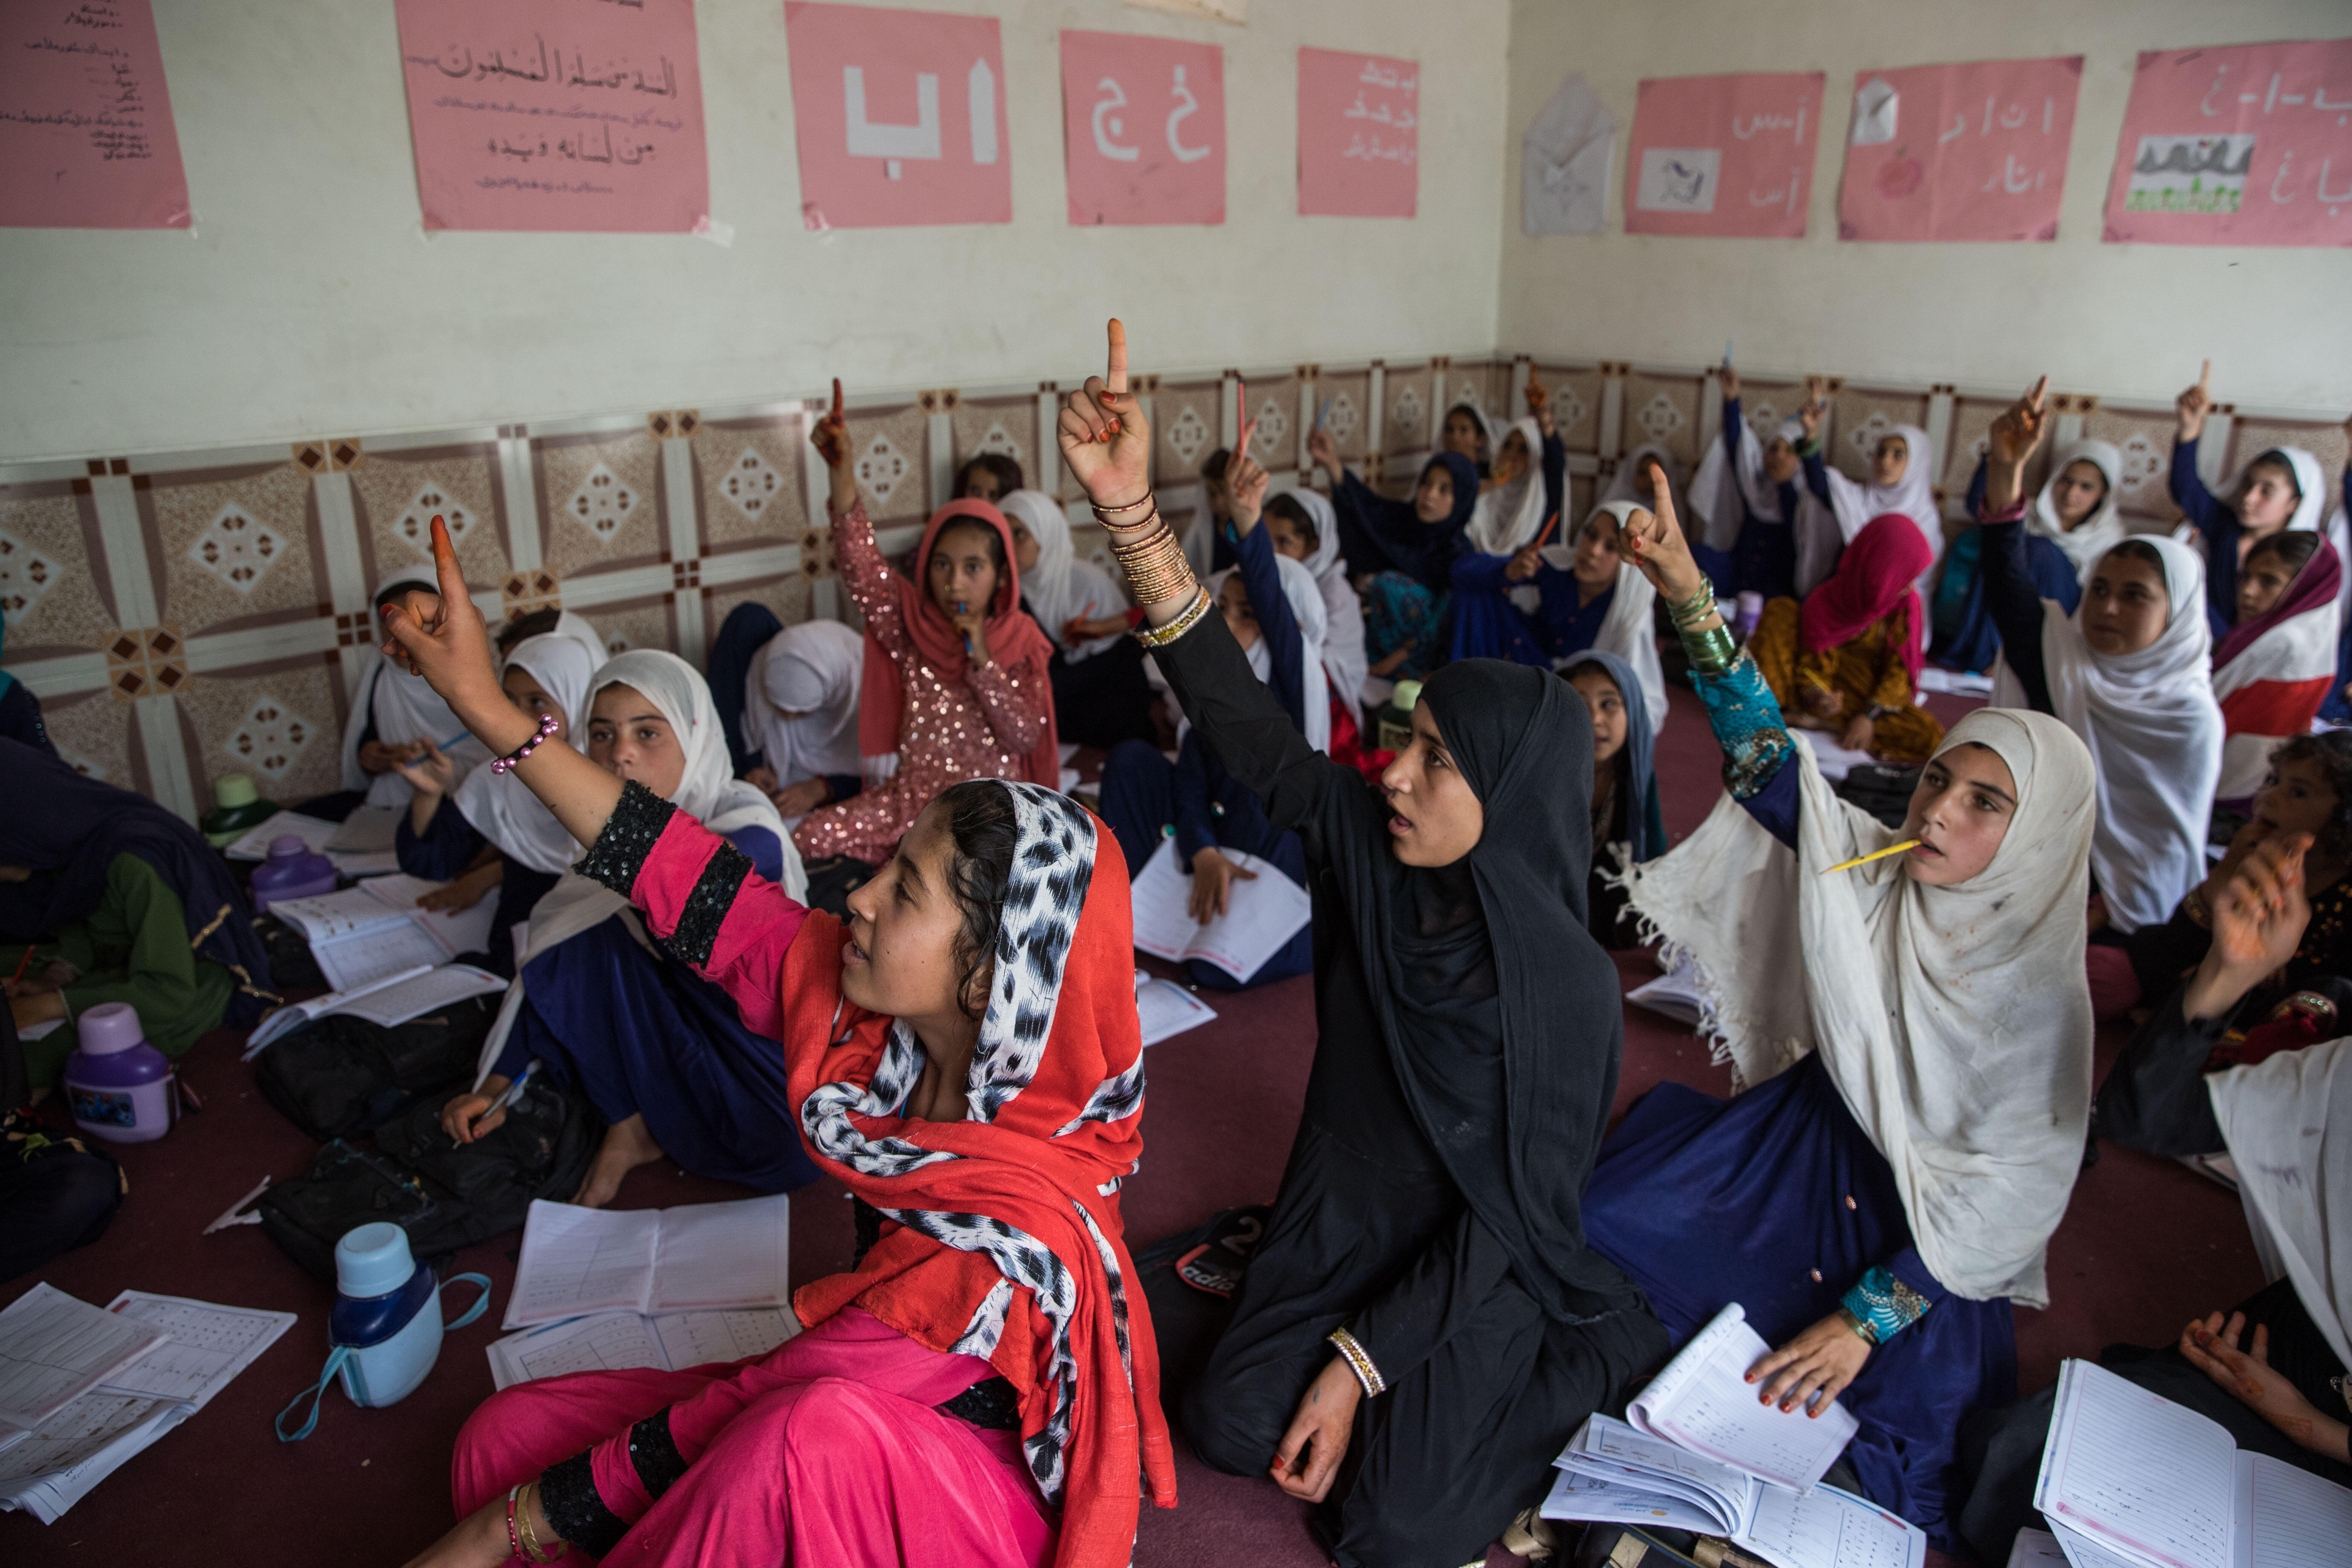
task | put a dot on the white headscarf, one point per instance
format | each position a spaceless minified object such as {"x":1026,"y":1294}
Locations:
{"x":2155,"y":734}
{"x":800,"y":700}
{"x":1628,"y":630}
{"x":1344,"y":658}
{"x":1508,"y":517}
{"x":1913,"y":495}
{"x":402,"y":709}
{"x":1723,"y":486}
{"x":2288,"y":1122}
{"x":1305,"y":600}
{"x":1627,"y":483}
{"x":576,"y":627}
{"x":706,"y":790}
{"x":2311,"y":483}
{"x":500,"y":807}
{"x":1061,"y":588}
{"x":1955,"y":1022}
{"x":2091,"y":539}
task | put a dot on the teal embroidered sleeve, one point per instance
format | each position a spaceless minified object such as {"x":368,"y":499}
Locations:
{"x":1884,"y":1305}
{"x":1747,"y":725}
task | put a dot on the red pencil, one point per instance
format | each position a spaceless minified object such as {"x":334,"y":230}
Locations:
{"x":1547,"y":527}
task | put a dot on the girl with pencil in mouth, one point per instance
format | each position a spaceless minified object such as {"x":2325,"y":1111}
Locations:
{"x":1909,"y":1026}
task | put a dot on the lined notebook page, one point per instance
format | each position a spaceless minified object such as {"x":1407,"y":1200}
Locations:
{"x":608,"y":1342}
{"x":723,"y":1255}
{"x":699,"y":1339}
{"x":54,"y":1348}
{"x":1826,"y":1527}
{"x":2291,"y":1518}
{"x":1704,"y":1401}
{"x":577,"y":1260}
{"x":2137,"y":1470}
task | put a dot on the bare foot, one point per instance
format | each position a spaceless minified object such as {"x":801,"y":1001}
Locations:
{"x":627,"y":1144}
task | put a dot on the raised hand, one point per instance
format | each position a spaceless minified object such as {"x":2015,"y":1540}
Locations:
{"x":2192,"y":405}
{"x":2011,"y":442}
{"x":1245,"y":485}
{"x":1730,"y":380}
{"x":2258,"y":923}
{"x":1538,"y":402}
{"x":1654,"y":542}
{"x":450,"y":647}
{"x":1105,"y":441}
{"x":1817,"y":404}
{"x":830,"y":436}
{"x":1325,"y":454}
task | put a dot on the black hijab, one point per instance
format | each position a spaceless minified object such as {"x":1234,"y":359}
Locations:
{"x":69,"y":829}
{"x":1501,"y":1014}
{"x":1423,"y":552}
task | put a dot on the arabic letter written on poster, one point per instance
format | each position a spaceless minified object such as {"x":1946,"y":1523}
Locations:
{"x":86,"y":133}
{"x":1972,"y":151}
{"x":1144,"y":129}
{"x":1359,"y":135}
{"x":1723,"y":154}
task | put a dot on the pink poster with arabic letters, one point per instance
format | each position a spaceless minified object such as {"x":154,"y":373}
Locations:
{"x":1723,"y":154}
{"x":1359,"y":135}
{"x":86,"y":133}
{"x":1970,"y":151}
{"x":2246,"y":145}
{"x":552,"y":115}
{"x":1145,"y":129}
{"x":900,"y":116}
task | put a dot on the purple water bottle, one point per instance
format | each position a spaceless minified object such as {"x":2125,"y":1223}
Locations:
{"x":121,"y":1088}
{"x":290,"y":872}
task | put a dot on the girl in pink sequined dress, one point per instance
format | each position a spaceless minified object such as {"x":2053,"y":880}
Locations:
{"x":956,"y":684}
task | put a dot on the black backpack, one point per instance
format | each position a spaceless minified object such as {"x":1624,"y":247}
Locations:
{"x":447,"y":1195}
{"x":342,"y":1076}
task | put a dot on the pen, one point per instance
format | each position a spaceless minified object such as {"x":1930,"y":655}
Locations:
{"x":1874,"y":855}
{"x":514,"y":1089}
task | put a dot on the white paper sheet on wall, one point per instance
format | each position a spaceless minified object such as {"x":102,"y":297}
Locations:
{"x":1564,"y":166}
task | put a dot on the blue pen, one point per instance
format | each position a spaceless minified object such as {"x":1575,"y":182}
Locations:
{"x":514,"y":1089}
{"x":454,"y":739}
{"x":1326,"y":413}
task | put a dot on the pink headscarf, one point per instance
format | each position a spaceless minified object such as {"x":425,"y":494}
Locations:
{"x":1875,"y":576}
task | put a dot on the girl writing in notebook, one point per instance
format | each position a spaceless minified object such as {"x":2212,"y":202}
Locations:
{"x":1911,"y":1108}
{"x":963,"y":1054}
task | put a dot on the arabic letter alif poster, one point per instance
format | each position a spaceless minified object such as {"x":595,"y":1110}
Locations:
{"x":1972,"y":151}
{"x":900,"y":116}
{"x":542,"y":114}
{"x":1144,"y":129}
{"x":1359,"y":135}
{"x":86,"y":133}
{"x":2246,"y":145}
{"x":1724,"y":155}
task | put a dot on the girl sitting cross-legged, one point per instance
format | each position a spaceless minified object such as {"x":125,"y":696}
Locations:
{"x":1847,"y":660}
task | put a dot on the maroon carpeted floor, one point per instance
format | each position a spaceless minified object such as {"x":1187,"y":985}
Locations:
{"x":2145,"y":1246}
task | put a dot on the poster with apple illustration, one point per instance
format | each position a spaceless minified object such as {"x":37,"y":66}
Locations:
{"x":1973,"y":151}
{"x":1723,"y":154}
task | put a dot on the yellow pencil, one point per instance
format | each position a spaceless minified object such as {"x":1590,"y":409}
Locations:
{"x":1880,"y":854}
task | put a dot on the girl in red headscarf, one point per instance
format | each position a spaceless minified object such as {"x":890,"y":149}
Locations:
{"x":1847,"y":660}
{"x":963,"y":1054}
{"x":956,"y":684}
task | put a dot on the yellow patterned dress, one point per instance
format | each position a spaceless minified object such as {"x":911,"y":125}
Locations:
{"x":1864,"y":675}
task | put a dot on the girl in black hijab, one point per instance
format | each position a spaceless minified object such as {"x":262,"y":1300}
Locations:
{"x":1424,"y":1327}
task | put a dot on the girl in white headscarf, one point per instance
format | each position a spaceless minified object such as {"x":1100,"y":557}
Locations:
{"x":1591,"y":596}
{"x":1911,"y":1042}
{"x":1746,"y":494}
{"x":1901,"y":480}
{"x":394,"y":716}
{"x":1274,"y":609}
{"x":1101,"y":694}
{"x":1528,"y":485}
{"x":2278,"y":489}
{"x":2070,"y":527}
{"x":1306,"y":528}
{"x":2129,"y":672}
{"x":659,"y":1050}
{"x":800,"y":713}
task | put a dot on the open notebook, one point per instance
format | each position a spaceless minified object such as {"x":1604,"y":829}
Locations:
{"x":608,"y":1342}
{"x":1260,"y":918}
{"x":2130,"y":1479}
{"x":577,"y":1261}
{"x":1703,"y":1401}
{"x":375,"y":929}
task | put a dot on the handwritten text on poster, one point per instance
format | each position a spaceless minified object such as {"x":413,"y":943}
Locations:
{"x":2248,"y":146}
{"x":1359,"y":135}
{"x":1145,"y":129}
{"x":540,"y":114}
{"x":900,"y":116}
{"x":1970,"y":151}
{"x":86,"y":133}
{"x":1723,"y":154}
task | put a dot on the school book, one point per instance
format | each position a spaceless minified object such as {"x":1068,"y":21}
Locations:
{"x":376,"y":929}
{"x":577,"y":1260}
{"x":1164,"y":1008}
{"x":391,"y":1001}
{"x":1674,"y":994}
{"x":55,"y":1348}
{"x":329,"y":838}
{"x":609,"y":1341}
{"x":2130,"y":1478}
{"x":1704,"y":1401}
{"x":1260,"y":918}
{"x":1614,"y":1474}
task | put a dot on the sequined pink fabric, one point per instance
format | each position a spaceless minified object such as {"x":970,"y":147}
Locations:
{"x":978,"y":727}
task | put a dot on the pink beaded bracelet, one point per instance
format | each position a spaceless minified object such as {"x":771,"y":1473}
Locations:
{"x":507,"y":763}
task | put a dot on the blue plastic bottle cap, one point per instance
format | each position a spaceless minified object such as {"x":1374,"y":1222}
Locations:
{"x":372,"y":1261}
{"x":108,"y":1028}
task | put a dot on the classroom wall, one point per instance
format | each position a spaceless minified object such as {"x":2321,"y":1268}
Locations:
{"x":2124,"y":322}
{"x":308,"y":300}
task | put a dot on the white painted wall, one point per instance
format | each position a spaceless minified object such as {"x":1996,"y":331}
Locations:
{"x":308,"y":302}
{"x":2124,"y":321}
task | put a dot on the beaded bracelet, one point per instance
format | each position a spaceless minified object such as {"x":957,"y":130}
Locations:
{"x":546,"y":728}
{"x":514,"y":1538}
{"x":1160,"y":637}
{"x":1360,"y":1361}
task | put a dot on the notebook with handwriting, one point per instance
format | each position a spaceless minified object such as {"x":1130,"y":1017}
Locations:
{"x":1704,"y":1401}
{"x":2129,"y":1474}
{"x":577,"y":1260}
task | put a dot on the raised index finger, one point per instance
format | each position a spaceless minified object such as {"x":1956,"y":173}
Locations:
{"x":2040,"y":390}
{"x":836,"y":398}
{"x":2204,"y":374}
{"x":445,"y":563}
{"x":1115,"y":378}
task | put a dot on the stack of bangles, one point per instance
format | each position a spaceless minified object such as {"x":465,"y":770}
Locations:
{"x":1712,"y":650}
{"x":1154,"y":567}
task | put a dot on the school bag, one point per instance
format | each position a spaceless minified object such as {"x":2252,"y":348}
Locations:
{"x":341,"y":1075}
{"x":447,"y":1195}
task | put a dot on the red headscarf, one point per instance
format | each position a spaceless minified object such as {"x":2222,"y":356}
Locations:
{"x":1009,"y":1242}
{"x":1013,"y":642}
{"x":1876,"y":576}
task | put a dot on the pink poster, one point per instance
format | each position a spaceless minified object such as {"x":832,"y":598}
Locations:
{"x":1960,"y":153}
{"x":86,"y":134}
{"x":2237,"y":146}
{"x":1359,"y":135}
{"x":547,"y":115}
{"x":1144,"y":123}
{"x":900,"y":116}
{"x":1723,"y":154}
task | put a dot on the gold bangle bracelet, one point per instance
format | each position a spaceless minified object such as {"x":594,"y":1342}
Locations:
{"x":1360,"y":1361}
{"x":1160,"y":637}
